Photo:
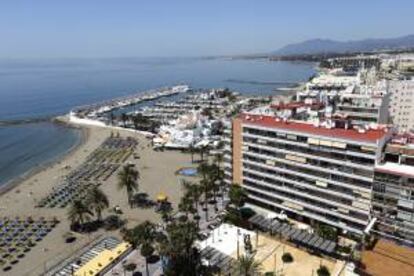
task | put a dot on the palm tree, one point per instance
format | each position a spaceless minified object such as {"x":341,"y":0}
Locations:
{"x":124,"y":118}
{"x":127,"y":179}
{"x":237,"y":195}
{"x":178,"y":247}
{"x":166,"y":212}
{"x":112,"y":118}
{"x":140,"y":119}
{"x":187,"y":186}
{"x":192,"y":150}
{"x":214,"y":177}
{"x":143,"y":232}
{"x":204,"y":170}
{"x":196,"y":193}
{"x":193,"y":192}
{"x":247,"y":266}
{"x":186,"y":204}
{"x":219,"y":160}
{"x":202,"y":150}
{"x":79,"y":213}
{"x":146,"y":251}
{"x":98,"y":201}
{"x":136,"y":121}
{"x":143,"y":235}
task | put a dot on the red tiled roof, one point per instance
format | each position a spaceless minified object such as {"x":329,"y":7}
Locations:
{"x":370,"y":136}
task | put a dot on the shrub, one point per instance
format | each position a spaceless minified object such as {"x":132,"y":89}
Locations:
{"x":287,"y":257}
{"x":130,"y":267}
{"x":113,"y":222}
{"x":327,"y":232}
{"x":323,"y":271}
{"x":269,"y":273}
{"x":344,"y":249}
{"x":247,"y":213}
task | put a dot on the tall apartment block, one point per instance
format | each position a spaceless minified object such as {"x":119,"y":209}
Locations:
{"x":402,"y":104}
{"x":393,"y":190}
{"x":315,"y":172}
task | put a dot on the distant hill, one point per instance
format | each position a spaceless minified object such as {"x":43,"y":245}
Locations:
{"x":321,"y":46}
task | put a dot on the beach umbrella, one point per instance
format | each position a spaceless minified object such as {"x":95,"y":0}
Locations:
{"x":162,"y":197}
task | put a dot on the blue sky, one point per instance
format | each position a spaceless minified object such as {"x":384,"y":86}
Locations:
{"x":110,"y":28}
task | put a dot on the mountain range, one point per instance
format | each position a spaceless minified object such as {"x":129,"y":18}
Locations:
{"x":322,"y":46}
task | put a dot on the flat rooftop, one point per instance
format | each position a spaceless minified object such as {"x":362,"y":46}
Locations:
{"x":369,"y":136}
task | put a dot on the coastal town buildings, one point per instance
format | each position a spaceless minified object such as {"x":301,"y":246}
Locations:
{"x":359,"y":98}
{"x":402,"y":104}
{"x":332,"y":156}
{"x":393,"y":189}
{"x":316,"y":173}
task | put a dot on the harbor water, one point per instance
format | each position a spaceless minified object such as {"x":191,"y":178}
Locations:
{"x":33,"y":89}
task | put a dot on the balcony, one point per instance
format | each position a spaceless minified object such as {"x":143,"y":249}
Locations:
{"x":318,"y":154}
{"x":329,"y":171}
{"x":350,"y":166}
{"x":299,"y":193}
{"x":305,"y":147}
{"x":301,"y":183}
{"x":313,"y":207}
{"x":307,"y":176}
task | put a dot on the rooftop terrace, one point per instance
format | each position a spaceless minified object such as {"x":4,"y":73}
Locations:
{"x":367,"y":135}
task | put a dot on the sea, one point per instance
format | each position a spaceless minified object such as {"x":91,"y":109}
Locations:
{"x":31,"y":91}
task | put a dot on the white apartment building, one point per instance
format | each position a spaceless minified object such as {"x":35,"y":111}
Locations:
{"x":401,"y":106}
{"x":313,"y":172}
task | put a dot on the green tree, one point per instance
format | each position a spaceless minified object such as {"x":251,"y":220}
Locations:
{"x":143,"y":235}
{"x":97,"y":201}
{"x":237,"y":195}
{"x":202,"y":150}
{"x":196,"y":193}
{"x":147,"y":250}
{"x":287,"y":257}
{"x":178,"y":247}
{"x":327,"y":232}
{"x":140,"y":120}
{"x":143,"y":232}
{"x":192,"y":191}
{"x":192,"y":151}
{"x":128,"y":180}
{"x":124,"y":118}
{"x":218,"y":160}
{"x":215,"y":177}
{"x":323,"y":271}
{"x":111,"y":119}
{"x":79,"y":213}
{"x":246,"y":266}
{"x":186,"y":204}
{"x":204,"y":169}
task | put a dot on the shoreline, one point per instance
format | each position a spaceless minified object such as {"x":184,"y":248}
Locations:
{"x":19,"y":179}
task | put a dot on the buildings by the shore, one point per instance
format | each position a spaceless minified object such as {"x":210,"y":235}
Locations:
{"x":192,"y":121}
{"x":402,"y":104}
{"x":322,"y":159}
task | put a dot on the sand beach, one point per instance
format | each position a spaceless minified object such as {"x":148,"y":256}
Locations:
{"x":157,"y":170}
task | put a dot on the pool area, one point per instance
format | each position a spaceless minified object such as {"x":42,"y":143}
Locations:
{"x":187,"y":172}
